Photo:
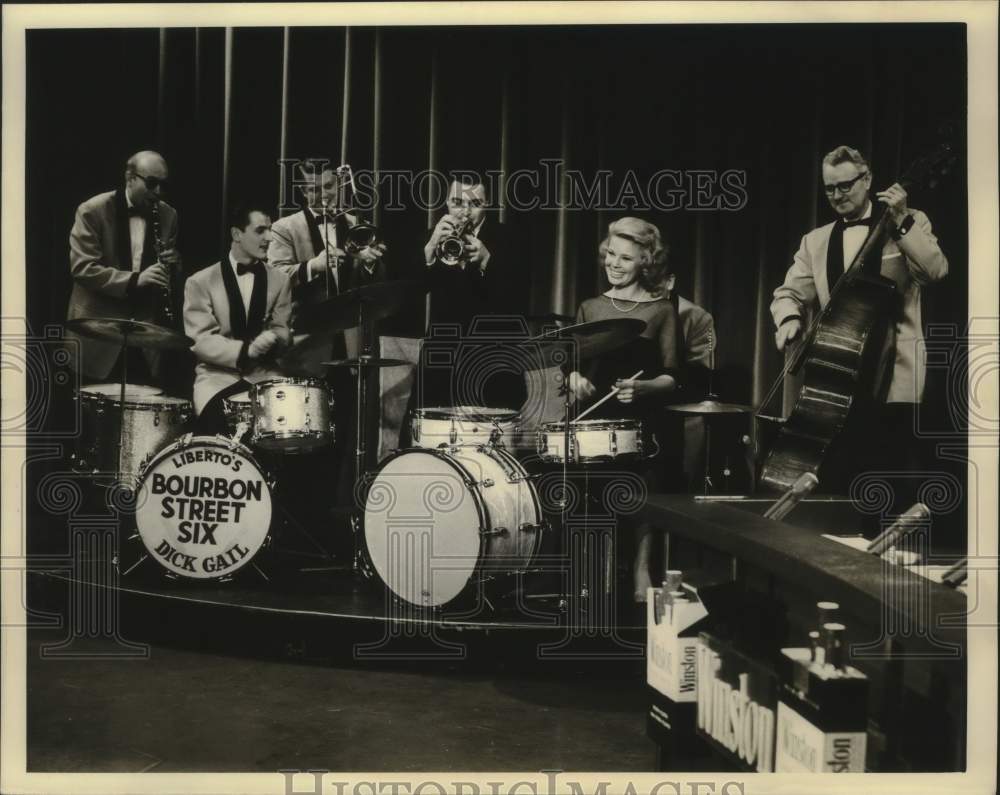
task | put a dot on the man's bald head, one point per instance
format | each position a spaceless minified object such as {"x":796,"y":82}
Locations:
{"x":146,"y":159}
{"x":145,"y":176}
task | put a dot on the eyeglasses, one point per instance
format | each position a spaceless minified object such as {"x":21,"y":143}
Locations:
{"x":843,"y":187}
{"x":152,"y":183}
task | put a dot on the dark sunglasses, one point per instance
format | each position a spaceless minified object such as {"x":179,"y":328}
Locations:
{"x":152,"y":183}
{"x":843,"y":187}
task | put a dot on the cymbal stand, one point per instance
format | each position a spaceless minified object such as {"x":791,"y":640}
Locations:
{"x":361,"y":414}
{"x":707,"y":479}
{"x":584,"y":571}
{"x":121,"y":407}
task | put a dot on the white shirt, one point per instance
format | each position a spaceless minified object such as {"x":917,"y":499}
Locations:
{"x":136,"y":234}
{"x":854,"y":238}
{"x":244,"y":282}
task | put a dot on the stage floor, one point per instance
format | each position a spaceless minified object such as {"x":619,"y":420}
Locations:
{"x":241,"y":680}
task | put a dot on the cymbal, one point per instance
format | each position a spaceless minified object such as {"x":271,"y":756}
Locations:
{"x":368,"y":361}
{"x":586,"y":339}
{"x":709,"y":407}
{"x":133,"y":333}
{"x":341,"y":311}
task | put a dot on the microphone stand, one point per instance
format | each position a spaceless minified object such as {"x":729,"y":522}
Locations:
{"x":326,"y":242}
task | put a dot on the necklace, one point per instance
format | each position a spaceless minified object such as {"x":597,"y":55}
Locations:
{"x":634,"y":306}
{"x":635,"y":303}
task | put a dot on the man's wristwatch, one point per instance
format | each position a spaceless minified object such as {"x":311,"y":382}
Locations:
{"x":903,"y":228}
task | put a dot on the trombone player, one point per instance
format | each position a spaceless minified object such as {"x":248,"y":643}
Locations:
{"x":325,"y":250}
{"x":313,"y":243}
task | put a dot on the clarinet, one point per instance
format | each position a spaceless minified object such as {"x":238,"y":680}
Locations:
{"x":167,"y":313}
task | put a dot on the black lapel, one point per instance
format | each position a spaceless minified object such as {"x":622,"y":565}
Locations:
{"x":237,"y":314}
{"x":680,"y":339}
{"x":835,"y":255}
{"x":258,"y":304}
{"x":340,"y":227}
{"x":148,"y":247}
{"x":314,"y":235}
{"x":123,"y":244}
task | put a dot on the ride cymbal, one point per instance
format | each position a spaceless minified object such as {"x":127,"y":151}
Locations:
{"x":132,"y":333}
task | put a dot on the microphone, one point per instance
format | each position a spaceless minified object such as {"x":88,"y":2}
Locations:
{"x":801,"y":488}
{"x":905,"y":524}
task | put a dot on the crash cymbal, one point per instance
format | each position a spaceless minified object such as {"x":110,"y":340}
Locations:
{"x":133,"y":333}
{"x":585,"y":340}
{"x":341,"y":311}
{"x":709,"y":407}
{"x":368,"y":361}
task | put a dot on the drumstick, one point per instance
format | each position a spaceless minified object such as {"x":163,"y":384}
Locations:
{"x":607,"y":397}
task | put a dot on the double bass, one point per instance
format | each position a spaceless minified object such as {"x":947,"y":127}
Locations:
{"x":846,"y":351}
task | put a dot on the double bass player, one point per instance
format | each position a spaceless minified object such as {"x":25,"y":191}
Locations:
{"x":883,"y":423}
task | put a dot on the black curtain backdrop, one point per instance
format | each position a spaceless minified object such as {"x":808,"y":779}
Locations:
{"x":224,"y":105}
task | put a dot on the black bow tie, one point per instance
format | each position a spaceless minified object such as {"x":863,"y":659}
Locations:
{"x":136,"y":212}
{"x":860,"y":222}
{"x":256,"y":268}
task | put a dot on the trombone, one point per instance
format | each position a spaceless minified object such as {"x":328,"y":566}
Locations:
{"x":363,"y":234}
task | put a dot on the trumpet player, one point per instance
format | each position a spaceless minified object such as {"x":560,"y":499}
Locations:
{"x":473,"y":286}
{"x":119,"y":270}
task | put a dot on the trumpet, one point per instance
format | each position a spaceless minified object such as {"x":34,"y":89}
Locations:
{"x":451,"y":249}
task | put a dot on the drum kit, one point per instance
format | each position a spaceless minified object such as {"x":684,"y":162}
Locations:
{"x":459,"y":509}
{"x":455,"y":510}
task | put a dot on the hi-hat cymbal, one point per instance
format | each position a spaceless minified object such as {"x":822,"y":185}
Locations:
{"x":133,"y":333}
{"x":709,"y":407}
{"x":368,"y":361}
{"x":374,"y":301}
{"x":586,"y":340}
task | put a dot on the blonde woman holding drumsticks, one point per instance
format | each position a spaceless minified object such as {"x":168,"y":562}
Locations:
{"x":634,"y":264}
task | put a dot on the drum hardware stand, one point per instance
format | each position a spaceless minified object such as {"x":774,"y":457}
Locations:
{"x":121,"y":406}
{"x":707,"y":478}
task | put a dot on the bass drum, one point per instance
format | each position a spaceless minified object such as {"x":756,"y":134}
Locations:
{"x":203,"y":507}
{"x":438,"y":520}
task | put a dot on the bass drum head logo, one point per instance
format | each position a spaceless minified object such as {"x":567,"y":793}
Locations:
{"x":204,"y":509}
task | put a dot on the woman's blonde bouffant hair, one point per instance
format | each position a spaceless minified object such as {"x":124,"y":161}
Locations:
{"x":653,"y":271}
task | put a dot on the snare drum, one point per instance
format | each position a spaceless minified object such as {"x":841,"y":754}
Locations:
{"x":476,"y":425}
{"x":203,"y":507}
{"x":238,"y":411}
{"x":152,"y":421}
{"x":292,"y":415}
{"x":590,"y":441}
{"x":439,"y":520}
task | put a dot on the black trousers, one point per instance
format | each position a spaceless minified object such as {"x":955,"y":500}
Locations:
{"x":212,"y":419}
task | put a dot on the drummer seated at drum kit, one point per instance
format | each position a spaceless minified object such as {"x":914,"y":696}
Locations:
{"x":635,"y":267}
{"x":237,"y":311}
